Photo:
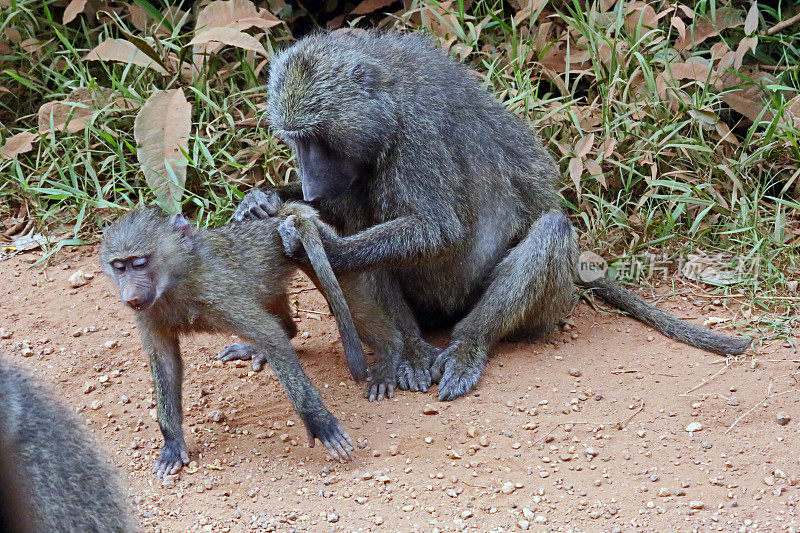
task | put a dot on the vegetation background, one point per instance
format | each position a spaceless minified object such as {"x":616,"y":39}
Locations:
{"x":676,"y":123}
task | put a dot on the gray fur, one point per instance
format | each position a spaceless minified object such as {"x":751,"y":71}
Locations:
{"x":51,"y":465}
{"x":454,"y":205}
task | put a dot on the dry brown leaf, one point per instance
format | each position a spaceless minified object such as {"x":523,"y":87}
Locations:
{"x":719,"y":49}
{"x":74,"y":9}
{"x":725,"y":133}
{"x":18,"y":144}
{"x":370,"y":6}
{"x":161,"y":130}
{"x":237,"y":14}
{"x":138,"y":17}
{"x":679,"y":25}
{"x":531,"y":6}
{"x":608,"y":147}
{"x":89,"y":102}
{"x":751,"y":21}
{"x":575,"y":172}
{"x":13,"y":35}
{"x":594,"y":168}
{"x":793,"y":111}
{"x":124,"y":52}
{"x":688,"y":11}
{"x":583,"y":146}
{"x":726,"y":17}
{"x":225,"y":35}
{"x":640,"y":11}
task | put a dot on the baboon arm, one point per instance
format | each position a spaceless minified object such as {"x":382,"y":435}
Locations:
{"x":402,"y":241}
{"x":167,"y":370}
{"x":289,"y":192}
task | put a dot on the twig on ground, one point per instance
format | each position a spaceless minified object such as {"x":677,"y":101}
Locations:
{"x":782,"y":25}
{"x":313,"y":312}
{"x":623,"y":423}
{"x":717,"y":373}
{"x":769,"y":396}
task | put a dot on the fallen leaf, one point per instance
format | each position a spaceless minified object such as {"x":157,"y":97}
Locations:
{"x":583,"y":146}
{"x":792,"y":111}
{"x":18,"y":144}
{"x":225,"y":35}
{"x":751,"y":21}
{"x":237,"y":14}
{"x":679,"y":25}
{"x":702,"y":29}
{"x":370,"y":6}
{"x":74,"y":9}
{"x":161,"y":130}
{"x":575,"y":172}
{"x":640,"y":11}
{"x":122,"y":51}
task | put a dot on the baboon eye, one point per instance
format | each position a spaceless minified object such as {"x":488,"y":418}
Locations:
{"x":139,"y":262}
{"x":119,"y":265}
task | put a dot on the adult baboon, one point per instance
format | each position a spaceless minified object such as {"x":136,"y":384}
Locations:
{"x":442,"y":191}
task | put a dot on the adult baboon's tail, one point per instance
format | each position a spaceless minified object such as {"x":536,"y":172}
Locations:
{"x":670,"y":325}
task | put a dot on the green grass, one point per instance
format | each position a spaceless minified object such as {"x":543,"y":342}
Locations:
{"x":669,"y":183}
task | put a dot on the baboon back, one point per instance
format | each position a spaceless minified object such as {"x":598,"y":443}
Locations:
{"x":67,"y":486}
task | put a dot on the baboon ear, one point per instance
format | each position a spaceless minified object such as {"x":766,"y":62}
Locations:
{"x":181,"y":224}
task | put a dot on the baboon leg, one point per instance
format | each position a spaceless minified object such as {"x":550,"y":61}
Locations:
{"x":167,"y":370}
{"x":281,"y":308}
{"x":413,"y":372}
{"x":530,"y":290}
{"x":265,"y":333}
{"x":376,"y":330}
{"x":241,"y":351}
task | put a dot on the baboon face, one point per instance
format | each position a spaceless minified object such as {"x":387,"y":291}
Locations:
{"x":334,"y":108}
{"x":144,"y":253}
{"x":135,"y":280}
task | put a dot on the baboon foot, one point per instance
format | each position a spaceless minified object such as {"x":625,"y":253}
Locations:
{"x":382,"y":380}
{"x":330,"y":432}
{"x":414,"y":373}
{"x":291,"y":238}
{"x":458,"y":369}
{"x":171,"y":459}
{"x":243,"y":352}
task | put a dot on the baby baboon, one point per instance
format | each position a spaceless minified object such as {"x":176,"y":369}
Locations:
{"x":181,"y":279}
{"x":53,"y":477}
{"x":441,"y":191}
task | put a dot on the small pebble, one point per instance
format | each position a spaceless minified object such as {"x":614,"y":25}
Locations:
{"x":574,"y":372}
{"x":694,"y":426}
{"x":429,"y":409}
{"x":78,"y":279}
{"x":783,"y":419}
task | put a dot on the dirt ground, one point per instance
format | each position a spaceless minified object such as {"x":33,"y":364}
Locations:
{"x":583,"y":431}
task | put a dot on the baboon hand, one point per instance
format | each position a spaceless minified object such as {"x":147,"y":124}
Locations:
{"x":458,"y":369}
{"x":243,"y":352}
{"x":292,"y":240}
{"x":171,"y":459}
{"x":258,"y":204}
{"x":330,"y":433}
